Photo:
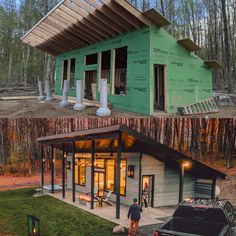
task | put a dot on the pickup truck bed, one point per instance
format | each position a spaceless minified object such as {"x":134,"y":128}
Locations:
{"x":190,"y":226}
{"x":200,"y":217}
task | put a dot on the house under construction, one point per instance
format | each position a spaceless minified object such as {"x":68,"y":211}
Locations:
{"x":146,"y":68}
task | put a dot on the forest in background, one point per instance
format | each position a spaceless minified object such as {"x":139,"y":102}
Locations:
{"x":207,"y":140}
{"x":209,"y":23}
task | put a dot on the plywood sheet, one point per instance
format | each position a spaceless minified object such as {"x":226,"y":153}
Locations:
{"x":189,"y":44}
{"x":214,"y":64}
{"x":156,"y":18}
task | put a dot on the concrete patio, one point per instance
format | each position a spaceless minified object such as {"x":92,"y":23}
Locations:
{"x":150,"y":216}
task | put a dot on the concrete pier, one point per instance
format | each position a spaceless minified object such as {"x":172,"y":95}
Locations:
{"x":79,"y":93}
{"x":103,"y":109}
{"x":64,"y":102}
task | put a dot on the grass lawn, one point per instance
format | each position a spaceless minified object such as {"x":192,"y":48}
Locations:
{"x":56,"y":217}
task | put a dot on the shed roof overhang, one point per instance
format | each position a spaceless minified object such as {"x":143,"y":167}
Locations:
{"x":214,"y":64}
{"x":189,"y":44}
{"x":106,"y":140}
{"x":156,"y":18}
{"x":73,"y":24}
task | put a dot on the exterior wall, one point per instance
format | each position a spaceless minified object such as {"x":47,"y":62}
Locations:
{"x":132,"y":184}
{"x":188,"y":78}
{"x":138,"y":43}
{"x":166,"y":182}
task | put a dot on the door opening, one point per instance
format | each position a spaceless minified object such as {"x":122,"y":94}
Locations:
{"x":148,"y":190}
{"x":99,"y":182}
{"x":90,"y":85}
{"x":159,"y":87}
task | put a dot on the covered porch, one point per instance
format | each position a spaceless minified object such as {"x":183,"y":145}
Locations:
{"x":150,"y":216}
{"x":176,"y":173}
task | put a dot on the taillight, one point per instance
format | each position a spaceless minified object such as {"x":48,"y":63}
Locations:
{"x":156,"y":234}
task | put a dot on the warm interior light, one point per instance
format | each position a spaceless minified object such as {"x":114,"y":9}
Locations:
{"x":186,"y":164}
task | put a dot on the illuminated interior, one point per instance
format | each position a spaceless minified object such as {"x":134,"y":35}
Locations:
{"x":80,"y":172}
{"x":104,"y":174}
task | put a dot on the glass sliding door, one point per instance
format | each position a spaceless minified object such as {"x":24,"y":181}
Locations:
{"x":99,"y":182}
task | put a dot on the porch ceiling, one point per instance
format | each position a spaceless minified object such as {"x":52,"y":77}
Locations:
{"x":73,"y":24}
{"x":106,"y":140}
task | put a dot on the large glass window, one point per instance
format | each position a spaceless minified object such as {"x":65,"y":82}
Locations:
{"x":80,"y":172}
{"x":76,"y":171}
{"x":120,"y":71}
{"x":110,"y":175}
{"x":123,"y":177}
{"x":99,"y":163}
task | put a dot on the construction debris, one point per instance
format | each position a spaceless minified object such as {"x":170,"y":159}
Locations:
{"x":15,"y":89}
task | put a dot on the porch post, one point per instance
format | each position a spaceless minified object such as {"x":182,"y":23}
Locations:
{"x":92,"y":173}
{"x":52,"y":166}
{"x":119,"y":151}
{"x":213,"y":188}
{"x":140,"y":180}
{"x":181,"y":182}
{"x":73,"y":172}
{"x":42,"y":168}
{"x":63,"y":170}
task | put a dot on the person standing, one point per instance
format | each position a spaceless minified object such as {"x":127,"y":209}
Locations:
{"x":134,"y":214}
{"x":146,"y":195}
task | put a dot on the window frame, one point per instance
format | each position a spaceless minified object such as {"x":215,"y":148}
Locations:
{"x":113,"y":58}
{"x":68,"y":72}
{"x":115,"y":182}
{"x":87,"y":55}
{"x":79,"y":173}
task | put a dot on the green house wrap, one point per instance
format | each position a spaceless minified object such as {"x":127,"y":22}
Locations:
{"x":147,"y":70}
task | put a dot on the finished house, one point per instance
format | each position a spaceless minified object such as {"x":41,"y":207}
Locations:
{"x":147,"y":70}
{"x":121,"y":161}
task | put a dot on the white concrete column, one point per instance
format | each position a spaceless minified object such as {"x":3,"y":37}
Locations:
{"x":41,"y":96}
{"x":79,"y":93}
{"x":64,"y":102}
{"x":48,"y":90}
{"x":103,"y":109}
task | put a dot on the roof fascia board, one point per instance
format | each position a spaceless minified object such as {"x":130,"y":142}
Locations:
{"x":53,"y":9}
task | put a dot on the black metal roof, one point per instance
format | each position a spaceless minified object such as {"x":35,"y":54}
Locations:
{"x":132,"y":141}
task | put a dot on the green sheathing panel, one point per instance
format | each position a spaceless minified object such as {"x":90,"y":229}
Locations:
{"x":138,"y":72}
{"x":188,"y":79}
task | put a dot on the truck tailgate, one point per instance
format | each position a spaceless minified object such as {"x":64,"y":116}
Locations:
{"x":165,"y":232}
{"x":189,"y":227}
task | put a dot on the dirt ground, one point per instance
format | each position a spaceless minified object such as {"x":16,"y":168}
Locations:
{"x":32,"y":108}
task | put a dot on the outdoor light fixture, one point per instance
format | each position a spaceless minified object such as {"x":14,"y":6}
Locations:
{"x":68,"y":165}
{"x":33,"y":226}
{"x":131,"y":171}
{"x":185,"y":164}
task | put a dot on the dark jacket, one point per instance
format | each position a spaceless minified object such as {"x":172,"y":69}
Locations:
{"x":134,"y":212}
